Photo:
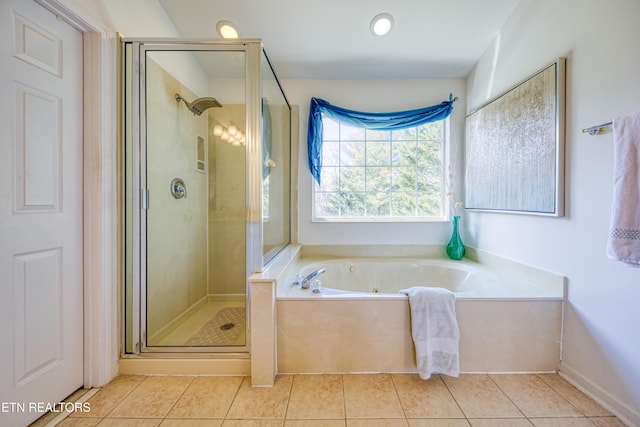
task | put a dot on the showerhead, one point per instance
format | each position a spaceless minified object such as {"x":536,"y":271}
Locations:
{"x":199,"y":105}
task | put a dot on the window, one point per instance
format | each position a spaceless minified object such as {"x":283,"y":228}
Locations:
{"x":372,"y":175}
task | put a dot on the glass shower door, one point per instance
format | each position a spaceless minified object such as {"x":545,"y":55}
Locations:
{"x":186,"y":234}
{"x":195,"y":179}
{"x":206,"y":180}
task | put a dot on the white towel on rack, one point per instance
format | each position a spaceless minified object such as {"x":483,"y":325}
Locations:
{"x":624,"y":232}
{"x":434,"y":329}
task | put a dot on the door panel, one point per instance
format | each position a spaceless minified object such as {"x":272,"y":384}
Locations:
{"x":41,"y":276}
{"x":37,"y":150}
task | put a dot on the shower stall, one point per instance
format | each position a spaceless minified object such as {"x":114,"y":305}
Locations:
{"x":206,"y":184}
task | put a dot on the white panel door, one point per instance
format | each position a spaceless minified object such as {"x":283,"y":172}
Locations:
{"x":41,"y":277}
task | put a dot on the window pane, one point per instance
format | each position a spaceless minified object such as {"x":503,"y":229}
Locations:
{"x":330,"y":153}
{"x":429,"y":204}
{"x":404,"y":134}
{"x":378,"y":153}
{"x":426,"y":182}
{"x":378,"y":204}
{"x":404,"y":179}
{"x":329,"y":179}
{"x":378,"y":179}
{"x":381,"y":174}
{"x":378,"y":135}
{"x":404,"y":153}
{"x":430,"y":131}
{"x":352,"y":204}
{"x":350,"y":133}
{"x":403,"y":204}
{"x":429,"y":153}
{"x":352,"y":179}
{"x":352,"y":153}
{"x":330,"y":129}
{"x":327,"y":205}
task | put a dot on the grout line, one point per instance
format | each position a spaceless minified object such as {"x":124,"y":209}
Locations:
{"x":466,"y":417}
{"x":235,"y":396}
{"x":344,"y":399}
{"x":509,"y":397}
{"x":61,"y":417}
{"x":92,"y":392}
{"x":125,"y":396}
{"x":395,"y":389}
{"x":193,"y":378}
{"x":286,"y":410}
{"x":561,"y":395}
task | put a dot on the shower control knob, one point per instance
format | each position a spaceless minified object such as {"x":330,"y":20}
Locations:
{"x":178,"y":188}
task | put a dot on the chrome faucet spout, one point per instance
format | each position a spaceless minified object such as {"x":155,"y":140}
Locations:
{"x":306,"y":281}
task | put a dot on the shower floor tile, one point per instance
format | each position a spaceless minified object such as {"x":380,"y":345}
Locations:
{"x":344,"y":400}
{"x":186,"y":333}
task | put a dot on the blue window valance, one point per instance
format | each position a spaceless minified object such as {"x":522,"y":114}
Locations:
{"x":374,"y":121}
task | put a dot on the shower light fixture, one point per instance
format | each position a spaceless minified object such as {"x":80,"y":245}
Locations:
{"x":381,"y":24}
{"x":230,"y":134}
{"x":227,"y":29}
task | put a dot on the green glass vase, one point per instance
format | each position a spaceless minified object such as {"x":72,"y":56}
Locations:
{"x":455,"y":248}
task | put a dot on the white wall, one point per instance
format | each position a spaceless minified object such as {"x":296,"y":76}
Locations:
{"x":144,"y":19}
{"x":370,"y":95}
{"x":600,"y":40}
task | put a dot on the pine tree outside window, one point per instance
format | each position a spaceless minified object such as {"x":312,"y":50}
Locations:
{"x":381,"y":175}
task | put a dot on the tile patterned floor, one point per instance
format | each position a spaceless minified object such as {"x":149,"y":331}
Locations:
{"x":186,"y":330}
{"x":371,"y":400}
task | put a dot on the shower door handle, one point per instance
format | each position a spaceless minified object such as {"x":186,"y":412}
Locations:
{"x":144,"y":198}
{"x":178,"y":188}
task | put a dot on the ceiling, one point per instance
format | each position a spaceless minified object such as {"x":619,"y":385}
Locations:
{"x":330,"y":39}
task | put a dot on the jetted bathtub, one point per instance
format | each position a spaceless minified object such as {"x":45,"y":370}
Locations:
{"x":360,"y":323}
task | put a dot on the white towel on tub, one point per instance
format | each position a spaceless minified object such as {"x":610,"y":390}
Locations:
{"x":434,"y":329}
{"x":624,"y":232}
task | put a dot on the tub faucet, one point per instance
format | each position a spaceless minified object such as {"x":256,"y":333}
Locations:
{"x":306,"y":281}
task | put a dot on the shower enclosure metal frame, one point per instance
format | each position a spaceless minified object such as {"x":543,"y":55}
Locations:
{"x":134,"y":130}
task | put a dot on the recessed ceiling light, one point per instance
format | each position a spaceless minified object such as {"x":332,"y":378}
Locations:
{"x":227,"y":30}
{"x":381,"y":24}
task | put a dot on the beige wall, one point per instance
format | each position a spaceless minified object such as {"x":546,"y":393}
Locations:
{"x":177,"y":229}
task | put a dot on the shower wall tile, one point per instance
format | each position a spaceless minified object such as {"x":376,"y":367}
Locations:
{"x":227,"y":206}
{"x":176,"y":228}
